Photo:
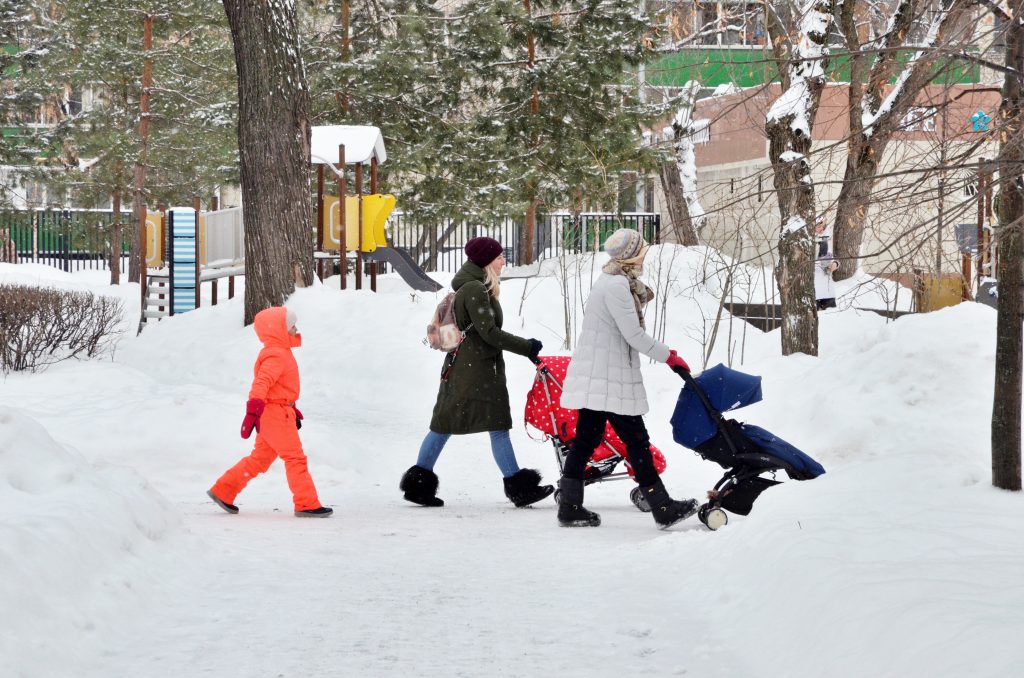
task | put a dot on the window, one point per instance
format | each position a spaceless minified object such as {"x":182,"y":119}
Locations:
{"x":731,"y":23}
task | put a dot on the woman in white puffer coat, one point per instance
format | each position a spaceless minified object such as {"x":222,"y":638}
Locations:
{"x":605,"y":384}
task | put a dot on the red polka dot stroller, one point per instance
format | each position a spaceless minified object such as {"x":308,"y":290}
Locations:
{"x":558,"y":424}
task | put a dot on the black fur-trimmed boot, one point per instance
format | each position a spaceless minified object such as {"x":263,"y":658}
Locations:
{"x":666,"y":510}
{"x":523,"y":488}
{"x":420,"y":487}
{"x":570,"y":505}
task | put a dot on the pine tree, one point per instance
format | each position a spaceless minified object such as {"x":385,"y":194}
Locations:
{"x":95,"y":50}
{"x":452,"y":94}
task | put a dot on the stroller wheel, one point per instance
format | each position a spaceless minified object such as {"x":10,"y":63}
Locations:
{"x":713,"y":518}
{"x":637,"y":497}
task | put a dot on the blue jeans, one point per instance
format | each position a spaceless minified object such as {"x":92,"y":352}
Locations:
{"x":501,"y":448}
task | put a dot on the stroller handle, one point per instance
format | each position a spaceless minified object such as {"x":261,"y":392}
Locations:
{"x":715,"y":415}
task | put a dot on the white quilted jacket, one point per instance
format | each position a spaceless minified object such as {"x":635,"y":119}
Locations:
{"x":604,"y":373}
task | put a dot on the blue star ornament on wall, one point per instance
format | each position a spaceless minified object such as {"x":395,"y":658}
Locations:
{"x":981,"y":120}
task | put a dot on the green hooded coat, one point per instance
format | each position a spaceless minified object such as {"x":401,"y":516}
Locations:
{"x":474,"y":398}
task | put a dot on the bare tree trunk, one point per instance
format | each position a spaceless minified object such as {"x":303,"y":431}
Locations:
{"x":789,"y":127}
{"x":273,"y":144}
{"x":1006,"y":418}
{"x":136,"y":255}
{"x":115,"y":239}
{"x":529,"y":232}
{"x":874,"y":118}
{"x":527,"y":238}
{"x":678,"y":212}
{"x":679,"y":177}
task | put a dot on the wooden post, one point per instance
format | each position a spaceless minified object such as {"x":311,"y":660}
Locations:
{"x":213,"y":292}
{"x":373,"y":190}
{"x":143,"y":243}
{"x":343,"y":235}
{"x":199,"y":249}
{"x":319,"y":218}
{"x":991,"y":248}
{"x":169,"y":223}
{"x":980,"y":245}
{"x":231,"y":287}
{"x":359,"y":240}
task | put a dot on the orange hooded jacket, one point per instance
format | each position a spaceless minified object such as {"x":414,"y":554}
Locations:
{"x":275,"y":374}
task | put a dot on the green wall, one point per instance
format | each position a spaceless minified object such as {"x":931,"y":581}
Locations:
{"x":745,"y":67}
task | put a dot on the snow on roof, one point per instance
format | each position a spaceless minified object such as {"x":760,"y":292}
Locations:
{"x":362,"y":142}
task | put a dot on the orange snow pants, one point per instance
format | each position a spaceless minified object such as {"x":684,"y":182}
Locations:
{"x":277,"y":437}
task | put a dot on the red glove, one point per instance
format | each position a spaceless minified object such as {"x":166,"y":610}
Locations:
{"x":253,"y":412}
{"x":298,"y":417}
{"x":675,"y":361}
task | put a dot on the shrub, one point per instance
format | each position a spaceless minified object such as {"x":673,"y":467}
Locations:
{"x":41,"y":326}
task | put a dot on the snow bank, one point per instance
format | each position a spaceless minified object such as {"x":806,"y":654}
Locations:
{"x":75,"y":542}
{"x":901,"y":560}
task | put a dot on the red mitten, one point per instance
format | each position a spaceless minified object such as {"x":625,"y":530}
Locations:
{"x":675,"y":361}
{"x":298,"y":417}
{"x":253,"y":412}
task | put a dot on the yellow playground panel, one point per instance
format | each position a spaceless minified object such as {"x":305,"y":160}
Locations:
{"x":154,"y":238}
{"x":376,"y":208}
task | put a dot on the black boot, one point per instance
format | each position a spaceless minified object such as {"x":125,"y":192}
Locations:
{"x":666,"y":510}
{"x":523,"y":488}
{"x":570,"y":505}
{"x":322,"y":512}
{"x":420,"y":487}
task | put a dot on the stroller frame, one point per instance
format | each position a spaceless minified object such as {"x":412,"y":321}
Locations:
{"x":740,"y":485}
{"x":597,"y":471}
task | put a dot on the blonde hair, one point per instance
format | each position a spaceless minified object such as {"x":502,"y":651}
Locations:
{"x":493,"y":282}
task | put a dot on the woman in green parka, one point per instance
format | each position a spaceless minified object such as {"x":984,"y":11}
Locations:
{"x":473,"y":397}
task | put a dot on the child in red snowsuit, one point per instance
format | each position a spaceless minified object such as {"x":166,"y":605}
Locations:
{"x":271,"y":411}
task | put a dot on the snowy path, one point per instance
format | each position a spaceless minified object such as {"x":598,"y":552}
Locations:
{"x":901,"y":561}
{"x":388,"y":589}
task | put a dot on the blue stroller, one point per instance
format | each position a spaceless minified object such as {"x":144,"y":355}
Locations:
{"x":744,"y":450}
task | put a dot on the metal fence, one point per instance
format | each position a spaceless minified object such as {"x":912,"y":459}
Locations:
{"x":81,"y":239}
{"x":439,"y":247}
{"x":71,"y":240}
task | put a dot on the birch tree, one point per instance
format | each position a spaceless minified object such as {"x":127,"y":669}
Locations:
{"x":273,"y":144}
{"x":789,"y":126}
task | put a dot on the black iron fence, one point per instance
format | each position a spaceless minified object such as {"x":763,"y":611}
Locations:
{"x":439,"y":247}
{"x":71,"y":240}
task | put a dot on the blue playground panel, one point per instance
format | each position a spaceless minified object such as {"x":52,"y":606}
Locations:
{"x":184,"y":250}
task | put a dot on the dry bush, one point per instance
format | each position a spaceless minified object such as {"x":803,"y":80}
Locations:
{"x":41,"y":326}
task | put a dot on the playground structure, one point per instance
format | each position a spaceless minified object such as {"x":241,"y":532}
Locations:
{"x":186,"y":247}
{"x":358,"y":146}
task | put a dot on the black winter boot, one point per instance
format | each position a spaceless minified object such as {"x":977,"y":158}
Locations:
{"x":666,"y":510}
{"x":420,"y":487}
{"x":570,"y":505}
{"x":523,"y":488}
{"x":322,"y":512}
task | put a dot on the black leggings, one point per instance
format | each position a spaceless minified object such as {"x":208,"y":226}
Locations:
{"x":630,"y":428}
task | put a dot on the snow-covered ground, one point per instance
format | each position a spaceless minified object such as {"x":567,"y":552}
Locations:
{"x":901,"y":561}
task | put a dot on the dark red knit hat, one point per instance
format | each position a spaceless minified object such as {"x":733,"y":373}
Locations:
{"x":482,"y":251}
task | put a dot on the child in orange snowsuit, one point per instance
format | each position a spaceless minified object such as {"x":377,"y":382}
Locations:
{"x":271,"y":411}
